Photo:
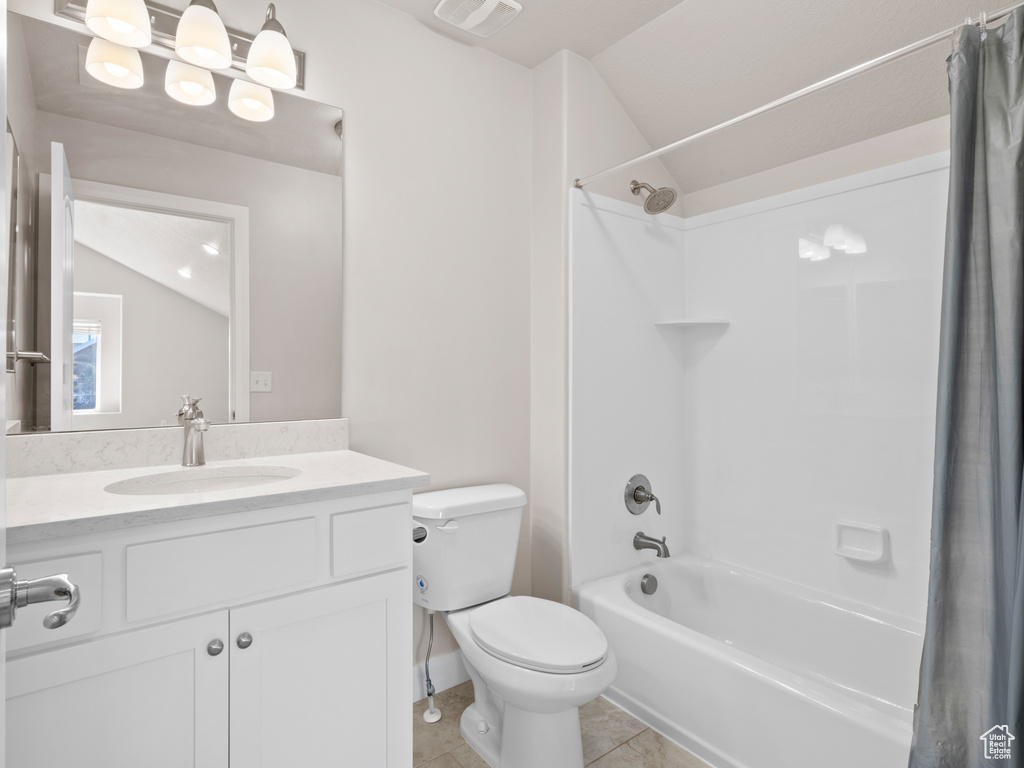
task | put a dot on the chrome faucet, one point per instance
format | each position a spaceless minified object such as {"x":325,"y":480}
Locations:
{"x":641,"y":541}
{"x":195,"y":425}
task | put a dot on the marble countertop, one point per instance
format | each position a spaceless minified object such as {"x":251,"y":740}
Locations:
{"x":72,"y":504}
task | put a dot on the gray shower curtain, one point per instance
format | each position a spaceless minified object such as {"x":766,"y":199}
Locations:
{"x":973,"y":661}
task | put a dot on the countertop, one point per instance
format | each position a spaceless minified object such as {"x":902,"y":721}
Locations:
{"x":72,"y":504}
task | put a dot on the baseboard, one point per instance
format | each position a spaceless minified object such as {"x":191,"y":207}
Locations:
{"x":445,"y":672}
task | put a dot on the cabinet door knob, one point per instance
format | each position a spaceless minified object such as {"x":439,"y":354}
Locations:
{"x":244,"y":640}
{"x":215,"y":647}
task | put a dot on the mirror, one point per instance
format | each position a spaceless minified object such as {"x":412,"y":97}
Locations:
{"x":197,"y":252}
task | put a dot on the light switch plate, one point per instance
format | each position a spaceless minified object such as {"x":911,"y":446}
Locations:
{"x":260,"y":381}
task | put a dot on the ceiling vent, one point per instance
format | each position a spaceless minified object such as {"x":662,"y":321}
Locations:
{"x":481,"y":17}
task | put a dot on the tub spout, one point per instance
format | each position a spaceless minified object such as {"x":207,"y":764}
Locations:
{"x":642,"y":541}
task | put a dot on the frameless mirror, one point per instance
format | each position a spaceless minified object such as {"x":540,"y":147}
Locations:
{"x":159,"y":249}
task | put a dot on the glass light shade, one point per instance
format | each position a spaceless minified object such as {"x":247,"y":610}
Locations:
{"x":251,"y":101}
{"x":189,"y":85}
{"x":125,"y":22}
{"x":114,"y":64}
{"x":856,"y":244}
{"x":271,"y":60}
{"x":836,"y":236}
{"x":201,"y":38}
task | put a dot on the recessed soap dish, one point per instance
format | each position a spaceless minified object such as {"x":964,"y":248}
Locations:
{"x":862,"y":542}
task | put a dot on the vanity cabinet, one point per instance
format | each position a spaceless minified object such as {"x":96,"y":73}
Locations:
{"x":313,"y":665}
{"x":152,"y":697}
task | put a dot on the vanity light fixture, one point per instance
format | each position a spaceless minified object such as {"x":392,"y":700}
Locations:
{"x":201,"y":38}
{"x":114,"y":64}
{"x":189,"y":85}
{"x":164,"y":22}
{"x":185,"y":273}
{"x":125,"y":22}
{"x":251,"y":101}
{"x":211,"y":249}
{"x":271,"y":60}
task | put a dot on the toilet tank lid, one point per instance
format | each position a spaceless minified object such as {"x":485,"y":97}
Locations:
{"x":459,"y":502}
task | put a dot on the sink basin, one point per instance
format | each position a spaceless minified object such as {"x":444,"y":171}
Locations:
{"x":201,"y":480}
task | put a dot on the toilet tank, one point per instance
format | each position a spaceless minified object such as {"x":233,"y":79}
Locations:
{"x":469,"y":551}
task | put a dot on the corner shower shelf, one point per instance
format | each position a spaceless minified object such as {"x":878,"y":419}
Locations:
{"x":693,"y":323}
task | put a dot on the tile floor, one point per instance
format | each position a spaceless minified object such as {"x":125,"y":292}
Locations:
{"x":611,"y":738}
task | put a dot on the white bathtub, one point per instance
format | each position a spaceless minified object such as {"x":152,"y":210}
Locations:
{"x":747,"y":671}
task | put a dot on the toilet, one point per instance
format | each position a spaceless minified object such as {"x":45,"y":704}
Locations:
{"x":533,"y":662}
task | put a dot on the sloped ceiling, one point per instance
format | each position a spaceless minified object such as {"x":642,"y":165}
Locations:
{"x":680,"y":67}
{"x":545,"y":27}
{"x":157,"y":245}
{"x":706,"y":61}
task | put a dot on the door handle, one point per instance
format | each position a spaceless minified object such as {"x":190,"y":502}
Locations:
{"x":16,"y":594}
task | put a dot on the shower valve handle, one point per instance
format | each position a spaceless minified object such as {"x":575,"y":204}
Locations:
{"x":642,"y":496}
{"x":638,"y":495}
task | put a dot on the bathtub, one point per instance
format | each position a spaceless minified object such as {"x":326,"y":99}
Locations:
{"x":748,"y":671}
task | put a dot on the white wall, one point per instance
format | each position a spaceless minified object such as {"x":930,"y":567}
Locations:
{"x":578,"y":128}
{"x":627,"y":397}
{"x":170,"y":346}
{"x":295,"y":230}
{"x":816,"y":404}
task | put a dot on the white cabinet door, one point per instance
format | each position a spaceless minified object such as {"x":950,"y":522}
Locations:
{"x":325,"y":681}
{"x":152,"y":697}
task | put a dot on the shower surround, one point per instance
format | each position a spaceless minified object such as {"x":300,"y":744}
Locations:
{"x":770,"y":394}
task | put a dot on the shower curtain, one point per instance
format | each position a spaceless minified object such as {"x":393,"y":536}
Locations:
{"x":970,"y":697}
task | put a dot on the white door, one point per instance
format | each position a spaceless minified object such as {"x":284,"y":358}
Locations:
{"x":62,"y":290}
{"x":321,"y":674}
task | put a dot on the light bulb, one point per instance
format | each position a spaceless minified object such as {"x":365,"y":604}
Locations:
{"x":125,"y":22}
{"x":114,"y":64}
{"x":121,"y":27}
{"x":115,"y":69}
{"x":201,"y":38}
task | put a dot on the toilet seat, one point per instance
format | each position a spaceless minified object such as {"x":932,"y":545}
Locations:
{"x":536,"y":634}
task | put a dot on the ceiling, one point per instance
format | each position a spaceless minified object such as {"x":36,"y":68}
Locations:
{"x":157,"y":245}
{"x":545,"y":27}
{"x":706,"y":61}
{"x":680,"y":67}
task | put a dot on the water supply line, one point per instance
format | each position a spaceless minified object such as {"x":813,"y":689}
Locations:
{"x":432,"y":714}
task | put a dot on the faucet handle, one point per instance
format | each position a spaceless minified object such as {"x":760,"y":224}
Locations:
{"x":199,"y":424}
{"x":188,"y":408}
{"x":639,"y":496}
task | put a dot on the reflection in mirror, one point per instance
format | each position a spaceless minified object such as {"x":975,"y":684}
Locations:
{"x":202,"y":246}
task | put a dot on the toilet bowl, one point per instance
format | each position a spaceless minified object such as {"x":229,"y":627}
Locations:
{"x":533,"y":662}
{"x":529,"y":683}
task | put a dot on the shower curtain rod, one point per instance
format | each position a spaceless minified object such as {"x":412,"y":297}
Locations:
{"x":866,"y":66}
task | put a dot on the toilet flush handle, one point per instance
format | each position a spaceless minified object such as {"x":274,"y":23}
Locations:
{"x":448,"y":526}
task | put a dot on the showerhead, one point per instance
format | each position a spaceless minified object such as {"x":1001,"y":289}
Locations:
{"x":658,"y":201}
